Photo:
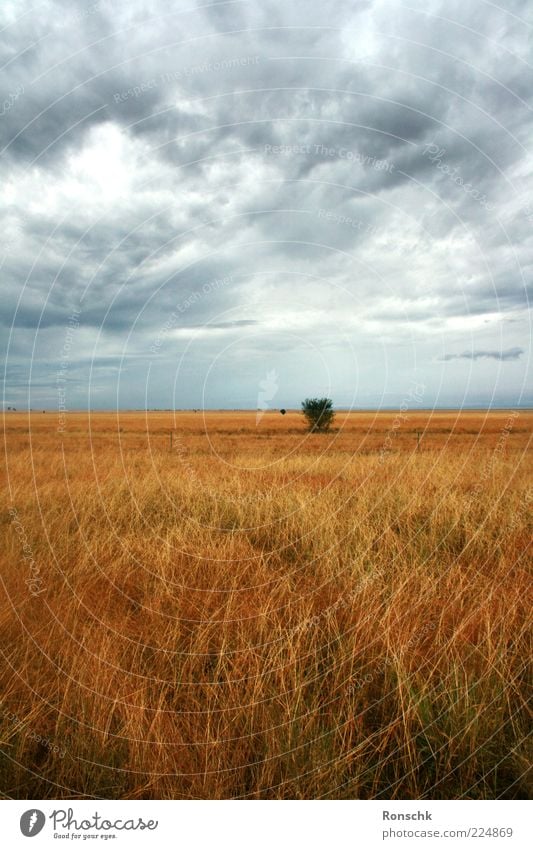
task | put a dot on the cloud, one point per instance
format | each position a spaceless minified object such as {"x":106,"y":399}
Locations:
{"x":149,"y":152}
{"x":506,"y":355}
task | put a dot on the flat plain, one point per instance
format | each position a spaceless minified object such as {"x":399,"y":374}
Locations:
{"x":222,"y":605}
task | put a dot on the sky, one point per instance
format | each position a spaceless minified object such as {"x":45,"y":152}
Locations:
{"x":241,"y":204}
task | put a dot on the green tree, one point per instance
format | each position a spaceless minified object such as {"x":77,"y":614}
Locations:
{"x":319,"y":413}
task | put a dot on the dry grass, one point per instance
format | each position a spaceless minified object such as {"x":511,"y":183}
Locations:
{"x":262,"y":613}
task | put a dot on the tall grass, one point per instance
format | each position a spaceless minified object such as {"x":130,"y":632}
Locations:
{"x":262,"y":613}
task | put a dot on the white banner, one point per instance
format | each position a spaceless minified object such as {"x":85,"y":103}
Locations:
{"x":267,"y":824}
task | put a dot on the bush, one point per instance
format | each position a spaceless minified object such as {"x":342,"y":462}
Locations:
{"x":319,"y":413}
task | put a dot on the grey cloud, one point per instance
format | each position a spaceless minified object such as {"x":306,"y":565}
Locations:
{"x":504,"y":356}
{"x":404,"y":253}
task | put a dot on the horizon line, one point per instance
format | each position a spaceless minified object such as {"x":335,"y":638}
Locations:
{"x":369,"y":409}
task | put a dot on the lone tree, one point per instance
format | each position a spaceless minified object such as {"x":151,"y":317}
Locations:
{"x":319,"y":413}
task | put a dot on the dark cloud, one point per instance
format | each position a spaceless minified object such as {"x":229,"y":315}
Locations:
{"x":355,"y":174}
{"x":504,"y":356}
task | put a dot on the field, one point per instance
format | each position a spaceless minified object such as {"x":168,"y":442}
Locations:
{"x":245,"y":610}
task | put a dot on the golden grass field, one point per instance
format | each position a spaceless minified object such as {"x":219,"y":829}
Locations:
{"x":257,"y":612}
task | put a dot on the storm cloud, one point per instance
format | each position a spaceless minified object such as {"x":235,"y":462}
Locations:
{"x":336,"y":191}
